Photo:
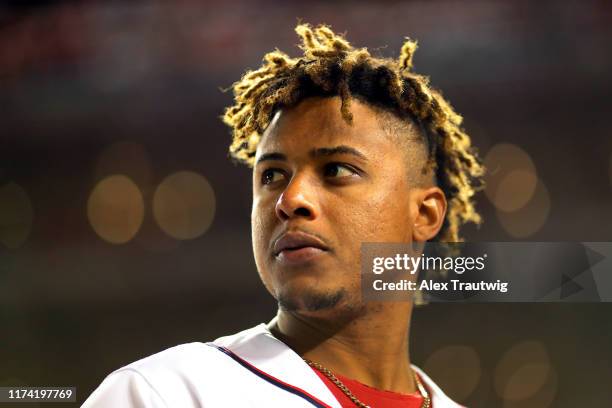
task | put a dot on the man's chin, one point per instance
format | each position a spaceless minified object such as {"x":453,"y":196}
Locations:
{"x":309,"y":301}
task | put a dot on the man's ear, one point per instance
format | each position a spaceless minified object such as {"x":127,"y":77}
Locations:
{"x":429,"y":210}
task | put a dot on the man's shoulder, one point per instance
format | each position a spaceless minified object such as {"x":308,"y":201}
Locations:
{"x":192,"y":357}
{"x":173,"y":377}
{"x":186,"y":375}
{"x":174,"y":358}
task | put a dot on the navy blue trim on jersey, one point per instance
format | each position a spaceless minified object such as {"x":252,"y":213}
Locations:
{"x":272,"y":380}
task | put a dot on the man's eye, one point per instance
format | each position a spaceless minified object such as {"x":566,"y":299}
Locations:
{"x":270,"y":176}
{"x":338,"y":170}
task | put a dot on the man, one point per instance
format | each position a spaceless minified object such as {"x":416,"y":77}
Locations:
{"x":345,"y":148}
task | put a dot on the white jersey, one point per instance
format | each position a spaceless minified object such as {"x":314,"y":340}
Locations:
{"x":248,"y":369}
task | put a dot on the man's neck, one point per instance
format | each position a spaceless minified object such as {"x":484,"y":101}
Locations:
{"x":371,"y":348}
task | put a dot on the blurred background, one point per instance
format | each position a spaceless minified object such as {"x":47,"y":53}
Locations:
{"x":124,"y":228}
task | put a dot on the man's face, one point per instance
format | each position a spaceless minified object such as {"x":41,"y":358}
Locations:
{"x":321,"y":187}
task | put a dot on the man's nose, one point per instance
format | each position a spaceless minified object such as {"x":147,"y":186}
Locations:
{"x":298,"y":199}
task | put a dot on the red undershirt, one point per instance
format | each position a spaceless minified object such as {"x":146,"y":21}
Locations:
{"x":369,"y":395}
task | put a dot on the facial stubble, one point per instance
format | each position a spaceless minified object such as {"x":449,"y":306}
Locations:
{"x":310,"y":300}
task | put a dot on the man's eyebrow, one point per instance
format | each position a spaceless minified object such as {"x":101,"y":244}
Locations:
{"x":271,"y":156}
{"x":342,"y":149}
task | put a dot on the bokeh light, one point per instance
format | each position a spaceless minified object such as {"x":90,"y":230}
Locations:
{"x":132,"y":159}
{"x":515,"y":190}
{"x":526,"y":381}
{"x":522,"y":371}
{"x":530,"y":218}
{"x":542,"y":399}
{"x":116,"y":209}
{"x":16,"y":215}
{"x":457,"y":368}
{"x":184,"y":205}
{"x":511,"y":177}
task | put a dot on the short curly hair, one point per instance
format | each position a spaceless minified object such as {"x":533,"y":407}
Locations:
{"x":330,"y":66}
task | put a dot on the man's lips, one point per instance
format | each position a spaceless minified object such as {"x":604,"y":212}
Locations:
{"x":298,"y":246}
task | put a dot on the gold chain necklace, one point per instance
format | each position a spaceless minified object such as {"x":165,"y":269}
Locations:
{"x":326,"y":372}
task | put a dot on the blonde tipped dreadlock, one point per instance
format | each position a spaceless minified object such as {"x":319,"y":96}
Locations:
{"x":331,"y":66}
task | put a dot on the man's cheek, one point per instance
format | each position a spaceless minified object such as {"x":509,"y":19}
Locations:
{"x":261,"y":218}
{"x":386,"y":228}
{"x":259,"y":234}
{"x":364,"y":224}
